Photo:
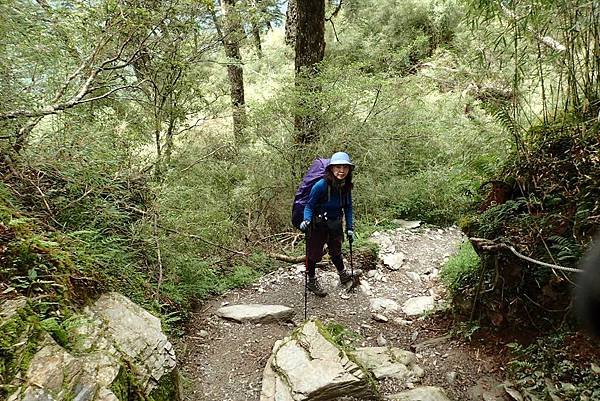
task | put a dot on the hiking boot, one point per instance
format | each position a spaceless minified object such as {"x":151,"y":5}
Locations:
{"x":346,"y":277}
{"x":314,"y":287}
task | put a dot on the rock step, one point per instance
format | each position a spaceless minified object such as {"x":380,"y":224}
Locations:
{"x":306,"y":366}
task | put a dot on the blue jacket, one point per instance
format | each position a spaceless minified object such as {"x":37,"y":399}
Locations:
{"x":320,"y":201}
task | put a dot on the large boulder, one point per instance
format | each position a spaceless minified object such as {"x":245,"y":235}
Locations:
{"x":119,"y":348}
{"x":307,"y":366}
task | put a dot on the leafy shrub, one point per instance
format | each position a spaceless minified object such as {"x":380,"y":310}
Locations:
{"x":461,"y":269}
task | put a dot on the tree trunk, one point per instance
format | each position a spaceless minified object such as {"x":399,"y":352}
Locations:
{"x":291,"y":23}
{"x":256,"y":39}
{"x":255,"y":24}
{"x":310,"y":49}
{"x":231,"y":36}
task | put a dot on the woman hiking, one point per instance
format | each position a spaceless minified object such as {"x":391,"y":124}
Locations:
{"x":329,"y":201}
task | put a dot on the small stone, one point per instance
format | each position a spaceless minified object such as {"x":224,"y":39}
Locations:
{"x":203,"y":333}
{"x":394,"y":261}
{"x":383,"y":304}
{"x":402,"y":322}
{"x":414,"y":276}
{"x":379,"y":317}
{"x":451,"y":377}
{"x":568,"y":387}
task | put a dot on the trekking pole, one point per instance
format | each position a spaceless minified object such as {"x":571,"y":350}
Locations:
{"x":306,"y":271}
{"x":351,"y":264}
{"x":305,"y":286}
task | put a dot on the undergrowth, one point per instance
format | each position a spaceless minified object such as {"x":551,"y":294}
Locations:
{"x":53,"y":266}
{"x":549,"y":369}
{"x":460,"y":271}
{"x":547,"y":211}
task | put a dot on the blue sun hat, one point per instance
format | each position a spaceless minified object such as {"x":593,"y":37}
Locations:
{"x":341,"y":158}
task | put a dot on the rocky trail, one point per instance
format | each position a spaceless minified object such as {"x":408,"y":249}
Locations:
{"x":396,"y":306}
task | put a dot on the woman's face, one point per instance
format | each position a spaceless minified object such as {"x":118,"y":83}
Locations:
{"x":340,"y":171}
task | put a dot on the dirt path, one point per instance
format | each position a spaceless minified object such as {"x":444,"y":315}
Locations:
{"x":224,"y":361}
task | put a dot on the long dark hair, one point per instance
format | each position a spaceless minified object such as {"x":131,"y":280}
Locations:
{"x":346,"y":185}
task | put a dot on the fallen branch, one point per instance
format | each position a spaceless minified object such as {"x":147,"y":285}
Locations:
{"x":199,"y":238}
{"x":491,"y":246}
{"x":286,"y":258}
{"x":203,"y":158}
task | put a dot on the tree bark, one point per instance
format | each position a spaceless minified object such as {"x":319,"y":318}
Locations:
{"x":291,"y":17}
{"x":231,"y":36}
{"x":310,"y":49}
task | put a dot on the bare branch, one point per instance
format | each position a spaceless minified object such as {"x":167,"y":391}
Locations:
{"x":336,"y":11}
{"x":545,"y":40}
{"x":199,"y":238}
{"x":378,"y":91}
{"x":202,"y":158}
{"x":158,"y":253}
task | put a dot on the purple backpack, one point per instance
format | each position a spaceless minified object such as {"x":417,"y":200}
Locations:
{"x":315,"y":172}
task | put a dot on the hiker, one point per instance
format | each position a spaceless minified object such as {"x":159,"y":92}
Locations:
{"x":329,"y":201}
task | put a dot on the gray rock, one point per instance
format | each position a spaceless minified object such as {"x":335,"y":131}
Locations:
{"x":10,"y":307}
{"x":428,"y":393}
{"x":414,"y":277}
{"x":306,"y":366}
{"x":390,"y":362}
{"x":383,"y":305}
{"x":35,"y":394}
{"x":394,"y":261}
{"x":418,"y":305}
{"x":255,"y":313}
{"x":451,"y":377}
{"x":432,"y":342}
{"x":385,"y":243}
{"x":381,"y":341}
{"x":407,"y":224}
{"x":378,"y":317}
{"x":138,"y":336}
{"x":273,"y":385}
{"x":106,"y":395}
{"x":53,"y":369}
{"x":113,"y":330}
